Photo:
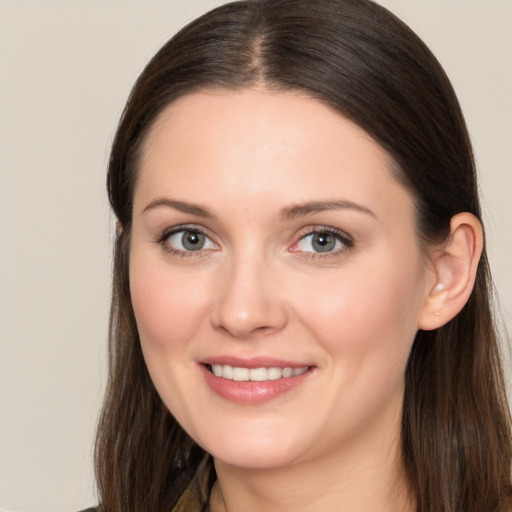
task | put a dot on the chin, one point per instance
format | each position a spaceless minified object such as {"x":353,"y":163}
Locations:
{"x":253,"y":447}
{"x":250,"y":457}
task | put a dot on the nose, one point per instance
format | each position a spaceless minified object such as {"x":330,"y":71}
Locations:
{"x":248,"y":301}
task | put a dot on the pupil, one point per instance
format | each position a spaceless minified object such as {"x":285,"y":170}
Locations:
{"x":323,"y":242}
{"x":193,"y":241}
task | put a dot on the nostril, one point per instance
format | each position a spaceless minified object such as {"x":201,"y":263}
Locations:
{"x":244,"y":331}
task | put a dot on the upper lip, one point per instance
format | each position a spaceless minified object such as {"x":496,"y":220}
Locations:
{"x":254,"y":362}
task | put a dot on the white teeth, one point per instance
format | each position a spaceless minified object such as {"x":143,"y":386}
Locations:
{"x":274,"y":373}
{"x":255,"y":374}
{"x":240,"y":374}
{"x":287,"y":372}
{"x":258,"y":374}
{"x":227,"y":371}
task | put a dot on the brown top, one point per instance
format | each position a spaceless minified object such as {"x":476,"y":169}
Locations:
{"x":196,"y":496}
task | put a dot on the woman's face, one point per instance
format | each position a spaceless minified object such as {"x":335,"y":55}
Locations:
{"x":272,"y":245}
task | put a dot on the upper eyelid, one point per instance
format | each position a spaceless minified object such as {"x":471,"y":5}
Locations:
{"x":163,"y":237}
{"x":345,"y":238}
{"x":164,"y":234}
{"x":325,"y":229}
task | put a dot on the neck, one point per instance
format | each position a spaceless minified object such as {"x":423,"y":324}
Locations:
{"x":365,"y":476}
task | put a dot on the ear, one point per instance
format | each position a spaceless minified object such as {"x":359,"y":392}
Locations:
{"x":454,"y":265}
{"x":119,"y":228}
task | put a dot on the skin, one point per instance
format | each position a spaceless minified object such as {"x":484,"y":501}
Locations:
{"x":258,"y":288}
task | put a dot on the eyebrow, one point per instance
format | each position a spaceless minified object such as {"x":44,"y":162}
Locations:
{"x":181,"y":206}
{"x":290,"y":212}
{"x":301,"y":210}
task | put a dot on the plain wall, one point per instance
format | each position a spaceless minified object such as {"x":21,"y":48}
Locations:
{"x":66,"y":68}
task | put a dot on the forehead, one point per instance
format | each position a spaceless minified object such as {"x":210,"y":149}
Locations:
{"x":255,"y":144}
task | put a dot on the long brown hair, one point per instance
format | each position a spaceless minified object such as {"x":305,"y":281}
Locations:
{"x":359,"y":59}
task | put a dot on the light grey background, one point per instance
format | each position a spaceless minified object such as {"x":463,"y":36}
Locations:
{"x":66,"y":68}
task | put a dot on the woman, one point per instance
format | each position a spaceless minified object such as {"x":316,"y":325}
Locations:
{"x":301,"y":308}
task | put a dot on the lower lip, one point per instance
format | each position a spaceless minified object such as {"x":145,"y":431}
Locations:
{"x":252,"y":392}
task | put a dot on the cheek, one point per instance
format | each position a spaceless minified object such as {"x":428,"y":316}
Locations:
{"x":365,"y":311}
{"x":169,"y":309}
{"x":167,"y":305}
{"x":365,"y":320}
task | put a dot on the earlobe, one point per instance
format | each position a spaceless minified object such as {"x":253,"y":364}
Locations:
{"x":119,"y":228}
{"x":455,"y":263}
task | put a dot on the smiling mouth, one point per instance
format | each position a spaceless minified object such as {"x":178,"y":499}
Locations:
{"x":262,"y":374}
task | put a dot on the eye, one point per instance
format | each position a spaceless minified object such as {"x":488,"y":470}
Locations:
{"x":323,"y":241}
{"x":186,"y":240}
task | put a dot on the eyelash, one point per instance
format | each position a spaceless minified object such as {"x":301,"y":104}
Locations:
{"x":344,"y":238}
{"x":167,"y":233}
